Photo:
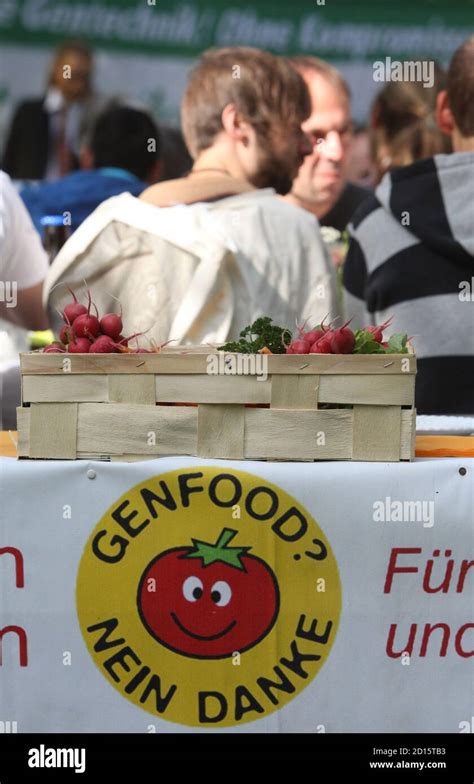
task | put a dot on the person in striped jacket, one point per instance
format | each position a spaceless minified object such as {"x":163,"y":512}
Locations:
{"x":411,"y":254}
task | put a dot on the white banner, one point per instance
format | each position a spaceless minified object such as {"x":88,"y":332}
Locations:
{"x":202,"y":595}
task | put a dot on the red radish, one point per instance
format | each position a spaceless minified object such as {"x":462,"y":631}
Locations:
{"x":142,"y":351}
{"x":343,"y":340}
{"x":53,"y":348}
{"x":124,"y":341}
{"x":323,"y":345}
{"x":103,"y":345}
{"x":298,"y":347}
{"x":314,"y":335}
{"x":111,"y":324}
{"x":377,"y":332}
{"x":65,"y":334}
{"x":86,"y":326}
{"x":74,"y":309}
{"x":79,"y":346}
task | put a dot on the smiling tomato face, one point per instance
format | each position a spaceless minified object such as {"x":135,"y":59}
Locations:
{"x":208,"y":601}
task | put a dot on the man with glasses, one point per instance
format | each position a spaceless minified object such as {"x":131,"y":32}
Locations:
{"x":321,"y":186}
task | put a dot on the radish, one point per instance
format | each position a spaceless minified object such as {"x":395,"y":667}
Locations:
{"x":74,"y":309}
{"x":322,"y":345}
{"x":377,"y":332}
{"x":111,"y":324}
{"x":103,"y":345}
{"x":66,"y":334}
{"x":53,"y":348}
{"x":314,"y":335}
{"x":298,"y":347}
{"x":86,"y":326}
{"x":79,"y":346}
{"x":343,"y":340}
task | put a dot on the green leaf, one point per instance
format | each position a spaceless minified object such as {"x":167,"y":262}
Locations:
{"x":261,"y":334}
{"x":220,"y":551}
{"x":365,"y":343}
{"x":397,"y":344}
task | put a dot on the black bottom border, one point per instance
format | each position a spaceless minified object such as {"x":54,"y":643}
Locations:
{"x":444,"y":757}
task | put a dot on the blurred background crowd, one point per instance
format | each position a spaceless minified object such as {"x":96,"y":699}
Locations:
{"x":337,"y":190}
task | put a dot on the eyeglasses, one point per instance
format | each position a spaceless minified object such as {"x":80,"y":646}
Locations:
{"x":317,"y":137}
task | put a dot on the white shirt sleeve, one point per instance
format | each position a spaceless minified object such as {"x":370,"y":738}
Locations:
{"x":23,"y":259}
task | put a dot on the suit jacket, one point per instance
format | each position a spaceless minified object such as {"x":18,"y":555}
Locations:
{"x":28,"y":142}
{"x":27,"y":146}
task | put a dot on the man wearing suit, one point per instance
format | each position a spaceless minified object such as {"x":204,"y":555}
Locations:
{"x":44,"y":137}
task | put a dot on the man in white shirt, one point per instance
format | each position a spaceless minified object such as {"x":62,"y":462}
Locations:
{"x":23,"y":262}
{"x":198,"y":258}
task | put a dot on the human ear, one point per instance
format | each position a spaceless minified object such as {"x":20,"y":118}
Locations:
{"x":444,"y":115}
{"x":235,"y":126}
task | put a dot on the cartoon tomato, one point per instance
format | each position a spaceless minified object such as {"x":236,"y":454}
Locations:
{"x":210,"y":600}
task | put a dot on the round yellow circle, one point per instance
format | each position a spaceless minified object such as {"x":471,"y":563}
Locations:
{"x":194,"y":550}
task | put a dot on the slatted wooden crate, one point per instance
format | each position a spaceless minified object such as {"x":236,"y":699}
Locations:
{"x":117,"y":407}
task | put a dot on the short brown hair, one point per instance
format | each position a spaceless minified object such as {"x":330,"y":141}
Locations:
{"x":322,"y":68}
{"x":264,"y":88}
{"x":460,"y":87}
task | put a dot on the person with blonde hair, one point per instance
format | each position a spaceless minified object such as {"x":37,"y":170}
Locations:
{"x":403,"y":124}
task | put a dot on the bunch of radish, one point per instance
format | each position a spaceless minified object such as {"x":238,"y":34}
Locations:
{"x":84,"y":333}
{"x":343,"y":340}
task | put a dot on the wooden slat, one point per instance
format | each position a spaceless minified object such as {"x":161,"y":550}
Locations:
{"x":369,"y":389}
{"x":212,"y":389}
{"x":186,"y":361}
{"x":53,"y":430}
{"x":23,"y":418}
{"x":373,"y":364}
{"x":65,"y":388}
{"x":127,"y":388}
{"x":298,"y":435}
{"x":299,"y":392}
{"x":112,"y":364}
{"x":408,"y":434}
{"x":377,"y":433}
{"x":221,"y":431}
{"x":269,"y":434}
{"x":120,"y":429}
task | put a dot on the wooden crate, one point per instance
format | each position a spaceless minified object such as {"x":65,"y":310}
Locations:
{"x":315,"y":407}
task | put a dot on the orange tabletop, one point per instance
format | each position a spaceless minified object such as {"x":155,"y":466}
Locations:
{"x":8,"y":441}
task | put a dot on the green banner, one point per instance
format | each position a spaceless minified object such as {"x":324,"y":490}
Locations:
{"x":332,"y":28}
